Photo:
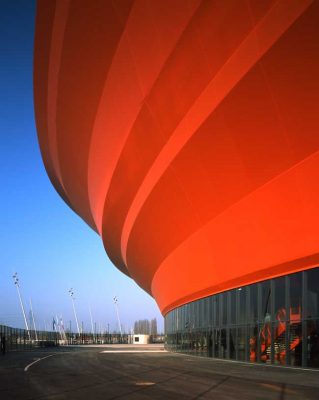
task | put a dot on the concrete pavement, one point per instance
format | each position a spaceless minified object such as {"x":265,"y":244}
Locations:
{"x":134,"y":372}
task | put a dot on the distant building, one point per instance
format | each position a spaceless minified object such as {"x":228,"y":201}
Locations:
{"x":146,"y":327}
{"x":142,"y":327}
{"x":153,"y":329}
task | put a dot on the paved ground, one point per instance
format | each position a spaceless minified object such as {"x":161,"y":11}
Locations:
{"x":89,"y":373}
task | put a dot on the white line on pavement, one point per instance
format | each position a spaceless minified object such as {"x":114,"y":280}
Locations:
{"x":37,"y":360}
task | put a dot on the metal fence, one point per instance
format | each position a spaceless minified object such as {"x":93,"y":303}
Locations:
{"x":20,"y":339}
{"x":99,"y":338}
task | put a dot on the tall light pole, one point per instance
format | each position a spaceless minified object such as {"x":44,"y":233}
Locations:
{"x":16,"y":282}
{"x":71,"y":293}
{"x":92,"y":327}
{"x":35,"y":329}
{"x":117,"y":312}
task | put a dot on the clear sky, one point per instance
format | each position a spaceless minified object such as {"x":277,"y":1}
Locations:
{"x":41,"y":239}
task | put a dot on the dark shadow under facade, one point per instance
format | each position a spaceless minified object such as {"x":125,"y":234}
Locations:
{"x":275,"y":321}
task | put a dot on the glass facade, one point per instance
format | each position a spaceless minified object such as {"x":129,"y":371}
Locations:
{"x":275,"y":321}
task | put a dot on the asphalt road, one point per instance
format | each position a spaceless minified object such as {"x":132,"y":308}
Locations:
{"x":89,"y":373}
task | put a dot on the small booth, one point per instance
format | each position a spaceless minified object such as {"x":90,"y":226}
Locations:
{"x":141,"y":339}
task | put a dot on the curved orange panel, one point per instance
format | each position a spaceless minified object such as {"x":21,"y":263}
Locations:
{"x":192,"y":148}
{"x":130,"y":78}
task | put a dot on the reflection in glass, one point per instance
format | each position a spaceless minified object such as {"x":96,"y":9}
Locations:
{"x":216,"y":344}
{"x":210,"y":344}
{"x":232,"y":342}
{"x":241,"y":343}
{"x":280,"y":299}
{"x":295,"y":286}
{"x":262,"y":322}
{"x":241,"y":293}
{"x":265,"y":341}
{"x":313,"y":343}
{"x":253,"y":343}
{"x":223,"y":298}
{"x":223,"y":343}
{"x":295,"y":344}
{"x":312,"y":293}
{"x":216,"y":310}
{"x":264,"y":312}
{"x":253,"y":303}
{"x":233,"y":307}
{"x":279,"y":342}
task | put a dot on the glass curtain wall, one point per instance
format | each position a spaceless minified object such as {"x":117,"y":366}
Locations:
{"x":275,"y":321}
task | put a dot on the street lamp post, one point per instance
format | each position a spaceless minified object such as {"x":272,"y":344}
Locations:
{"x":35,"y":329}
{"x":92,"y":326}
{"x":71,"y":292}
{"x":17,"y":285}
{"x":117,"y":313}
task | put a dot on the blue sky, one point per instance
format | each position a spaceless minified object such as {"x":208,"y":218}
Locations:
{"x":49,"y":246}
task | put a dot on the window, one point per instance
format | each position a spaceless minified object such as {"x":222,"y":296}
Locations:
{"x":262,"y":322}
{"x":312,"y":293}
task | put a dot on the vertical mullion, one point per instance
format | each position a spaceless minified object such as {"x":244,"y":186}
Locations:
{"x":287,"y":305}
{"x":272,"y":318}
{"x":303,"y":318}
{"x":248,"y":321}
{"x":259,"y":313}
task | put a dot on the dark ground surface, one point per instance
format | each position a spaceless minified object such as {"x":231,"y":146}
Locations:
{"x":86,"y":373}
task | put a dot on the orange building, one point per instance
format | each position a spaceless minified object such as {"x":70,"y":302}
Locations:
{"x":186,"y":133}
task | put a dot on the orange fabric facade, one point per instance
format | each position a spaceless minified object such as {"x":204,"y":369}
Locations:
{"x":186,"y":133}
